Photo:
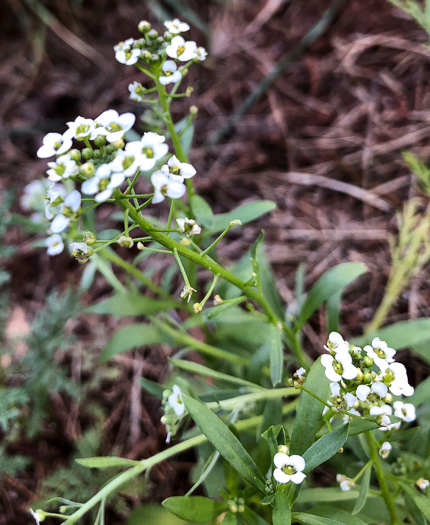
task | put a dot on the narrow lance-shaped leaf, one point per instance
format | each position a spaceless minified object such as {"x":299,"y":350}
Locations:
{"x":245,"y":213}
{"x":128,"y":337}
{"x":224,"y":441}
{"x":129,"y":303}
{"x":312,"y":519}
{"x":332,"y":282}
{"x":106,"y":462}
{"x":325,"y":448}
{"x":276,"y":355}
{"x":364,"y":491}
{"x":195,"y":508}
{"x":281,"y":509}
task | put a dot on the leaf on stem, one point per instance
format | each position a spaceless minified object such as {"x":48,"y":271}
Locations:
{"x":195,"y":508}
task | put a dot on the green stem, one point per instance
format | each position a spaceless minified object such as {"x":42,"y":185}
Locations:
{"x":385,"y":491}
{"x":216,"y":241}
{"x":234,"y":402}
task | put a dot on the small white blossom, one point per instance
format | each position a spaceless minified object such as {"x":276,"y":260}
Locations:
{"x":301,"y":372}
{"x":69,"y":208}
{"x":384,"y":411}
{"x":405,"y":411}
{"x":55,"y":244}
{"x":125,"y":54}
{"x":103,"y":183}
{"x":171,"y":73}
{"x":112,"y":125}
{"x":55,"y":196}
{"x":188,"y":226}
{"x":180,"y":168}
{"x":345,"y":482}
{"x":187,"y":293}
{"x":385,"y":450}
{"x":201,"y":54}
{"x":339,"y":366}
{"x":54,"y":144}
{"x":350,"y":399}
{"x":167,"y":186}
{"x":175,"y":26}
{"x":135,"y":88}
{"x":38,"y":516}
{"x":181,"y":50}
{"x":63,"y":168}
{"x":422,"y":483}
{"x":378,"y":388}
{"x":148,"y":150}
{"x":175,"y":401}
{"x":81,"y":128}
{"x":400,"y":385}
{"x":288,"y":468}
{"x":32,"y":198}
{"x":381,"y":354}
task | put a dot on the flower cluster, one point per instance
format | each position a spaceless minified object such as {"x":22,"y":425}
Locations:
{"x":174,"y":411}
{"x":363,"y":381}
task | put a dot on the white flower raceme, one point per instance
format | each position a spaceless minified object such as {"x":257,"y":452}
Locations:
{"x":175,"y":401}
{"x":136,"y":90}
{"x":385,"y":450}
{"x":55,"y":144}
{"x":188,"y":226}
{"x":183,"y":169}
{"x":55,"y":244}
{"x":422,"y":483}
{"x":63,"y":168}
{"x":81,"y":128}
{"x":148,"y":150}
{"x":171,"y":73}
{"x":181,"y":50}
{"x":288,"y":468}
{"x":125,"y":54}
{"x":378,"y":388}
{"x":69,"y":208}
{"x":345,"y":482}
{"x":201,"y":54}
{"x":112,"y":125}
{"x":171,"y":186}
{"x":175,"y":26}
{"x":103,"y":183}
{"x":338,"y":367}
{"x":405,"y":411}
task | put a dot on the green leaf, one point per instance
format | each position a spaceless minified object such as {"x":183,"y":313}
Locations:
{"x":281,"y":509}
{"x":224,"y":441}
{"x":152,"y":387}
{"x":404,"y":334}
{"x":128,"y":337}
{"x":358,"y":426}
{"x":250,"y":516}
{"x":245,"y":213}
{"x":414,"y":511}
{"x":106,"y":462}
{"x":271,"y":436}
{"x":364,"y":491}
{"x":326,"y":495}
{"x":333,"y":311}
{"x":205,"y":371}
{"x":276,"y":355}
{"x":325,"y":448}
{"x":338,"y":514}
{"x":421,"y":501}
{"x":187,"y":138}
{"x":309,"y":412}
{"x":312,"y":519}
{"x":214,"y":312}
{"x":332,"y":282}
{"x":195,"y":508}
{"x":202,"y":211}
{"x":130,"y":303}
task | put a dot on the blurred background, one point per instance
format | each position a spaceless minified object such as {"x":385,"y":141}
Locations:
{"x":324,"y":139}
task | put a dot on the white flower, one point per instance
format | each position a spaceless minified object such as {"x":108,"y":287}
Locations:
{"x":180,"y":168}
{"x":384,"y":411}
{"x":350,"y":399}
{"x":68,"y":211}
{"x":405,"y":411}
{"x":339,"y":366}
{"x":181,"y":50}
{"x":346,"y":417}
{"x":81,"y":128}
{"x":201,"y":54}
{"x":344,"y":482}
{"x":422,"y":483}
{"x":175,"y":26}
{"x":55,"y":244}
{"x":148,"y":150}
{"x":33,"y":195}
{"x":381,"y":354}
{"x":38,"y":516}
{"x":378,"y":388}
{"x":79,"y":247}
{"x":125,"y":54}
{"x":188,"y":226}
{"x":103,"y":183}
{"x":125,"y":163}
{"x":288,"y":468}
{"x":175,"y":401}
{"x":187,"y":293}
{"x":134,"y":89}
{"x":167,"y":186}
{"x":113,"y":125}
{"x":399,"y":385}
{"x":54,"y":144}
{"x":385,"y":450}
{"x":171,"y":73}
{"x":55,"y":196}
{"x":301,"y":372}
{"x":63,"y":168}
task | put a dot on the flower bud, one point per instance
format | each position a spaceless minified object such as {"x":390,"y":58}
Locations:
{"x":118,"y":144}
{"x":152,"y":34}
{"x":367,"y":361}
{"x":185,"y":241}
{"x":154,"y":59}
{"x":236,"y":222}
{"x":189,"y":91}
{"x":100,"y":141}
{"x":194,"y":110}
{"x":87,"y":153}
{"x":89,"y":238}
{"x":125,"y":241}
{"x":75,"y":155}
{"x":197,"y":307}
{"x":167,"y":36}
{"x":97,"y":154}
{"x":110,"y":149}
{"x":160,"y":40}
{"x":144,"y":26}
{"x":367,"y":378}
{"x":217,"y":300}
{"x":88,"y":169}
{"x":283,"y":449}
{"x":388,"y":398}
{"x":146,"y":55}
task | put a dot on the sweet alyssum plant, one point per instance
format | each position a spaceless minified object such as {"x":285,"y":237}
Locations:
{"x":261,"y":429}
